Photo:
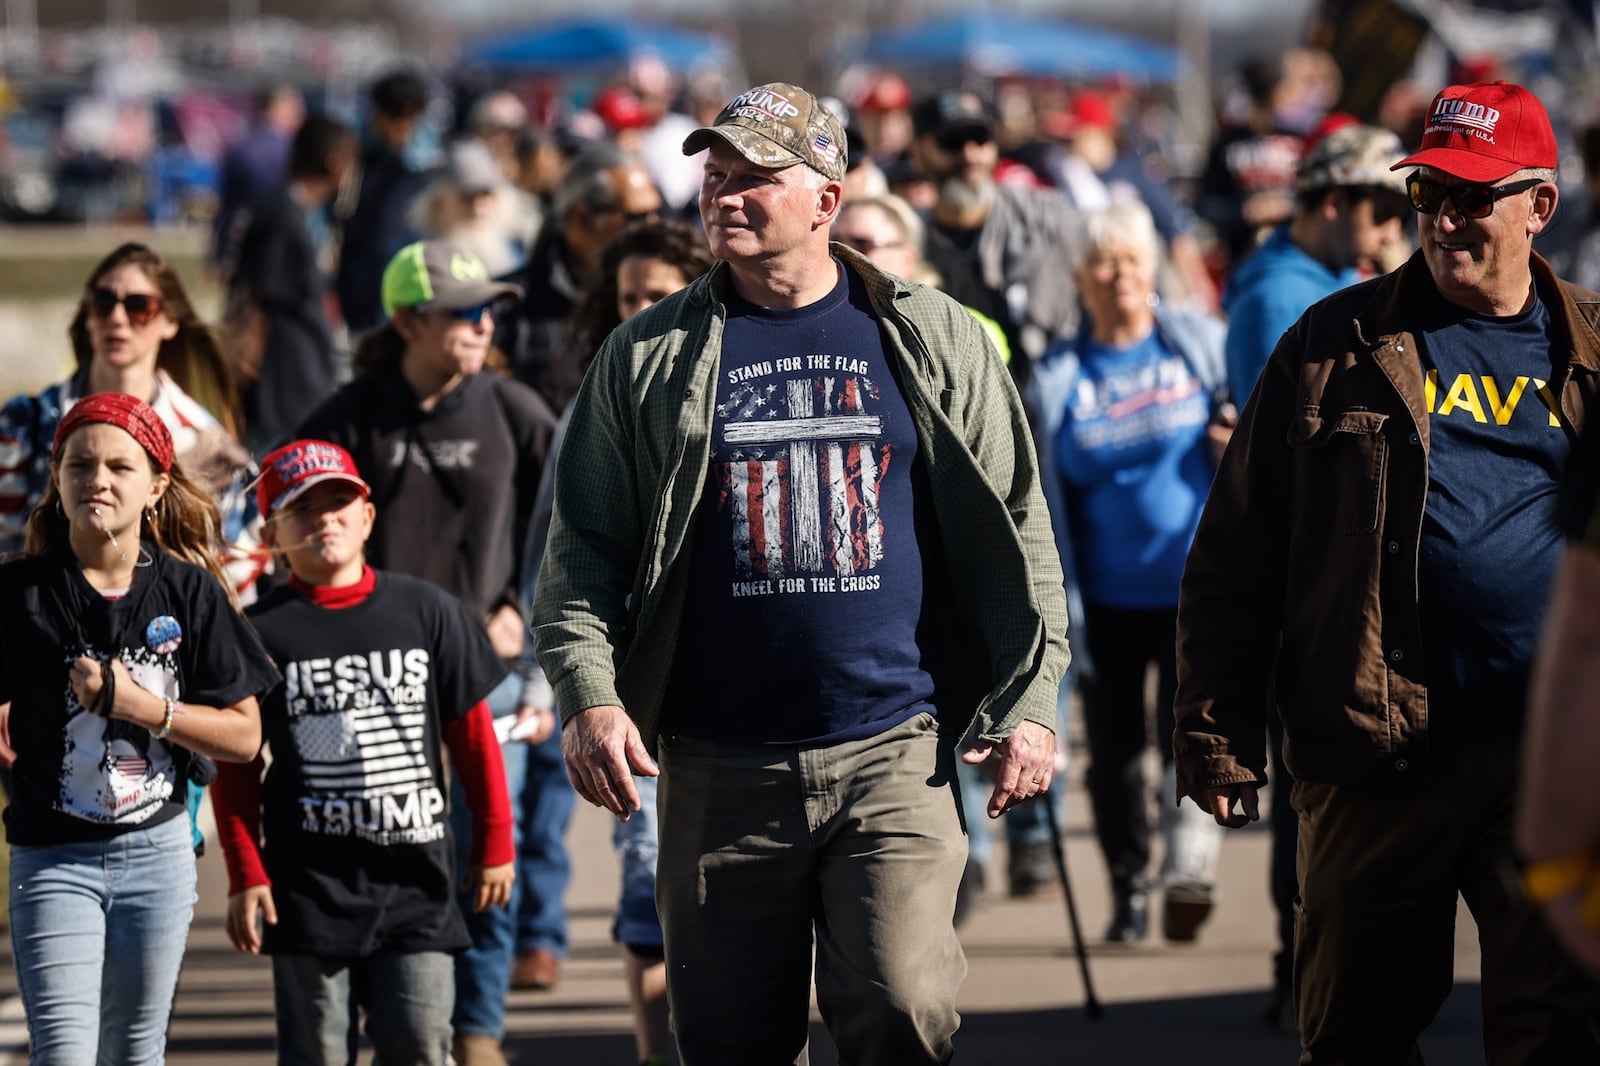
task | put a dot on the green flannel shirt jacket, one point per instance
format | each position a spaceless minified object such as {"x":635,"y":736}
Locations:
{"x":632,"y":477}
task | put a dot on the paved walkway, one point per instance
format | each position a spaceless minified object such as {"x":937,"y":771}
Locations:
{"x":1022,"y":1001}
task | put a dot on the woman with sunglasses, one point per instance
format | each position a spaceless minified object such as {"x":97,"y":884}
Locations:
{"x":453,"y":450}
{"x":136,"y":332}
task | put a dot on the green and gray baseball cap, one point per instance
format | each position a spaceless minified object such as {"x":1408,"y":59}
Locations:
{"x":778,"y":125}
{"x":439,"y":276}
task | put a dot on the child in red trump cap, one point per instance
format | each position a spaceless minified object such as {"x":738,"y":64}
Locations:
{"x":353,"y":892}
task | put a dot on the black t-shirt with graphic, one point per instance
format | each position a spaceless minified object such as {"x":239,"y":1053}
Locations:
{"x":357,"y":840}
{"x":79,"y":777}
{"x":805,"y":612}
{"x":1490,"y":535}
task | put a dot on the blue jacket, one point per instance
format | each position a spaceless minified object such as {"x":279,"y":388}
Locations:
{"x":1197,"y":338}
{"x":1265,"y":296}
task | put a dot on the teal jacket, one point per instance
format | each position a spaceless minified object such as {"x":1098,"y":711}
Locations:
{"x":633,"y":473}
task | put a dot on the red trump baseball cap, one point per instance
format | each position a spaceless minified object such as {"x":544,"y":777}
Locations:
{"x":288,"y":472}
{"x":1485,"y":132}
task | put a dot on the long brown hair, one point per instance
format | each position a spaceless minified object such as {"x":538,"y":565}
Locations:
{"x":186,"y":523}
{"x":194,"y":357}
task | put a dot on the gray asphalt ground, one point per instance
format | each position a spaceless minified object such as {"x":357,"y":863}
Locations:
{"x":1022,"y":1001}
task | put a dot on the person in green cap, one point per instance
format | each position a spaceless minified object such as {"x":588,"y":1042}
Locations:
{"x":453,"y":450}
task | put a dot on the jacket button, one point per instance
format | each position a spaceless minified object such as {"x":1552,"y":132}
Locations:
{"x":1394,"y":547}
{"x":1396,"y":655}
{"x":1414,"y":439}
{"x":1402,"y":765}
{"x":1399,"y":347}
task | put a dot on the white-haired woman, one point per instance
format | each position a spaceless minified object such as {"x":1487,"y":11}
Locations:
{"x":1132,"y":408}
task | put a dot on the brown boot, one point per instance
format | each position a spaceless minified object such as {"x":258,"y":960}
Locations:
{"x":539,"y":969}
{"x":477,"y":1049}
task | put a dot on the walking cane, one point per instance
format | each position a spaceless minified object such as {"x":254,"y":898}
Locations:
{"x":1091,"y":1004}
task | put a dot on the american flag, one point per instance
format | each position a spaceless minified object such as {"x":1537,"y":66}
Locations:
{"x":130,"y":766}
{"x":802,"y":491}
{"x":826,"y":149}
{"x":369,"y":752}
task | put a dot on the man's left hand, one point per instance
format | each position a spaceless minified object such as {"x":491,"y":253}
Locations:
{"x":1027,"y":764}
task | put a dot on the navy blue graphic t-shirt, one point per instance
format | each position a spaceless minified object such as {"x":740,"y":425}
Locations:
{"x":1490,"y":536}
{"x":806,"y":573}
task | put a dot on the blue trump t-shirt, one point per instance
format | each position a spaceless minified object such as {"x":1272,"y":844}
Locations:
{"x":1490,"y":537}
{"x":1135,"y":468}
{"x":805,"y":619}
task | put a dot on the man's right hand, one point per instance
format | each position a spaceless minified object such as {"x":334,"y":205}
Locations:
{"x":1220,"y":803}
{"x":603,"y":749}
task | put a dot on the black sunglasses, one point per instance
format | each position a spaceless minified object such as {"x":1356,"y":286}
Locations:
{"x":1471,"y":201}
{"x":142,"y":307}
{"x":955,"y":140}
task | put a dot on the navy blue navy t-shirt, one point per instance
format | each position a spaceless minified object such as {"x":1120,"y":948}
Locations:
{"x":1490,"y":536}
{"x":806,"y":560}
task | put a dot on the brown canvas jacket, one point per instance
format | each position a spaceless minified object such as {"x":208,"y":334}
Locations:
{"x":1306,"y":554}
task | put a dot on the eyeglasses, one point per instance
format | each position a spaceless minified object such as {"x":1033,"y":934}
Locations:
{"x":866,"y":245}
{"x":1471,"y":201}
{"x":142,"y":307}
{"x":956,"y":140}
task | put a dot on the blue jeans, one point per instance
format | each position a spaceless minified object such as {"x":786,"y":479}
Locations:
{"x":544,"y":868}
{"x":483,"y":970}
{"x":97,"y":932}
{"x":637,"y":842}
{"x":406,"y":995}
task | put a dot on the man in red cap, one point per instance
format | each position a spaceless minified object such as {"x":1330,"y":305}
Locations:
{"x":1382,"y":533}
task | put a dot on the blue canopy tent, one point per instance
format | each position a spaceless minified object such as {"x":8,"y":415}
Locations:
{"x":992,"y":44}
{"x":584,"y":43}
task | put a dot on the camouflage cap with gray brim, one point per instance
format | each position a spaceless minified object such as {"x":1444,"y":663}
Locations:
{"x":777,"y":125}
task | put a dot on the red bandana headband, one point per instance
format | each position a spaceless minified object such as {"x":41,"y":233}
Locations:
{"x":125,"y":412}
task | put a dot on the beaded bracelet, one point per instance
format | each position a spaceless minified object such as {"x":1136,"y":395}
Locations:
{"x":171,"y":706}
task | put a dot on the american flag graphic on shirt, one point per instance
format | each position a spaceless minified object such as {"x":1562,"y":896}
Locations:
{"x":805,"y":465}
{"x":359,"y":728}
{"x":363,"y":752}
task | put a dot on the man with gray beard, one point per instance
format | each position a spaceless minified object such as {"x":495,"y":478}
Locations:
{"x":1017,"y":242}
{"x":1008,"y":252}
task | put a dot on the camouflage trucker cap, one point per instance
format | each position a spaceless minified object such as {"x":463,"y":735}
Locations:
{"x":1354,"y":156}
{"x":778,"y":125}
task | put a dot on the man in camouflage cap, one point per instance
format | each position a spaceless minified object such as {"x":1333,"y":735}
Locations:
{"x":1347,"y":225}
{"x":764,"y":566}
